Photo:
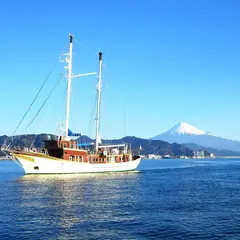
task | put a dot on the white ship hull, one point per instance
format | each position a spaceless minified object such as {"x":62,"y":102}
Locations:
{"x":41,"y":165}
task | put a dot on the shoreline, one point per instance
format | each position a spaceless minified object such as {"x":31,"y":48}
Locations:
{"x":5,"y":158}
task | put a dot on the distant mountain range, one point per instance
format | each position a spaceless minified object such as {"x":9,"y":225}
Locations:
{"x":184,"y":133}
{"x":148,"y":146}
{"x":182,"y":139}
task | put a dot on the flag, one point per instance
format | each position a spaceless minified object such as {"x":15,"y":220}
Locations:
{"x":72,"y":134}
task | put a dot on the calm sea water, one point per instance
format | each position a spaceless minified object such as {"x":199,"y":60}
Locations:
{"x":164,"y":199}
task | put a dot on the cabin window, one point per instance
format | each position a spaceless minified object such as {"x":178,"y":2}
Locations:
{"x":64,"y":145}
{"x":71,"y":145}
{"x":70,"y":158}
{"x":36,"y":168}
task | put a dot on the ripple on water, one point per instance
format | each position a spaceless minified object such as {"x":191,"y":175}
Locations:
{"x":177,"y":202}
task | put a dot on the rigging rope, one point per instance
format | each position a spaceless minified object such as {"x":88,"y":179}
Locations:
{"x":17,"y":138}
{"x":35,"y":98}
{"x":44,"y":119}
{"x":43,"y":104}
{"x":29,"y":108}
{"x":87,"y":47}
{"x":32,"y":144}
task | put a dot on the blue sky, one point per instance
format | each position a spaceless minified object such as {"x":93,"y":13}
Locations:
{"x":164,"y":62}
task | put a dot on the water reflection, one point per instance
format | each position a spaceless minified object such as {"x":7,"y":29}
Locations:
{"x":67,"y":203}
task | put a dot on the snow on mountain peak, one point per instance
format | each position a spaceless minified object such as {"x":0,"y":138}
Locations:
{"x":185,"y":128}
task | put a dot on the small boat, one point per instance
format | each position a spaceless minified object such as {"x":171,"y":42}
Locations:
{"x":64,"y":154}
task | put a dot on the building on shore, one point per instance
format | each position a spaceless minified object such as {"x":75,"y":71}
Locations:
{"x":154,"y":156}
{"x":198,"y":154}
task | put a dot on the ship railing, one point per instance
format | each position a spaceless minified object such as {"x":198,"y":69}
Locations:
{"x":109,"y":158}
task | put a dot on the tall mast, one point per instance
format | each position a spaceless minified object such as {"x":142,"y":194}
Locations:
{"x":69,"y":67}
{"x":99,"y":88}
{"x":67,"y":57}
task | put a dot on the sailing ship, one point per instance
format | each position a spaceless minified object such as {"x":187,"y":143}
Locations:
{"x":65,"y":155}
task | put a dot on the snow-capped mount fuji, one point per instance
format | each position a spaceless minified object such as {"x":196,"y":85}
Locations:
{"x":185,"y":133}
{"x":185,"y":128}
